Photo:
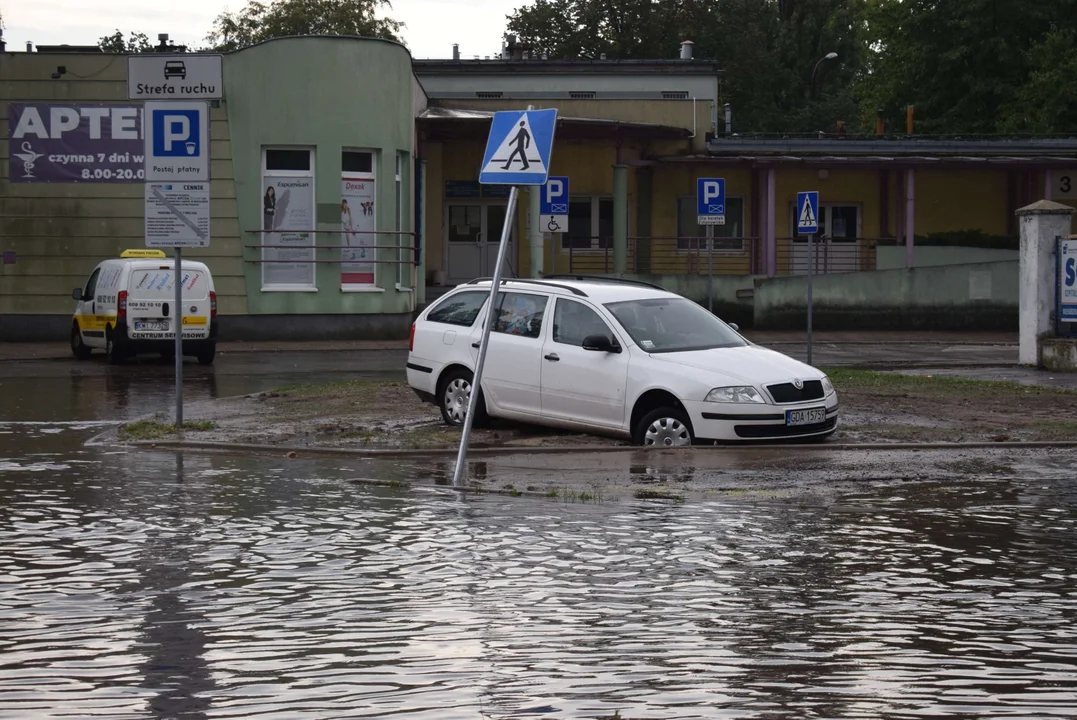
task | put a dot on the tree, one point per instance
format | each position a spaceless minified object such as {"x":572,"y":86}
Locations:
{"x":767,"y":49}
{"x":260,"y":21}
{"x":133,"y":43}
{"x":967,"y":66}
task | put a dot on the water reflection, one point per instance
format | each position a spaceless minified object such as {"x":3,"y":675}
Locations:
{"x":145,"y":585}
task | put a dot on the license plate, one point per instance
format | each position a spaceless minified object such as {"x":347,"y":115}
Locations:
{"x":151,"y":325}
{"x":810,"y":416}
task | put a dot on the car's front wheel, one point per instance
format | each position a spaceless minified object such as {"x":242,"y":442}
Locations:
{"x":79,"y":349}
{"x":664,"y":427}
{"x":455,"y":394}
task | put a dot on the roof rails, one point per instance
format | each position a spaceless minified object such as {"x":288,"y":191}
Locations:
{"x":573,"y":290}
{"x":603,"y":278}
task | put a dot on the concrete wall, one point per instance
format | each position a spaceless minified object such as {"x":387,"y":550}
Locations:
{"x":889,"y":257}
{"x":980,"y":296}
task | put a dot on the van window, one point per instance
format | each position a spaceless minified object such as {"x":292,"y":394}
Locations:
{"x":91,"y":285}
{"x":459,"y":309}
{"x":158,"y":284}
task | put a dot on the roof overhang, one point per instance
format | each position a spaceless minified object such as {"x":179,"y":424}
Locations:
{"x":880,"y":160}
{"x":881,"y":151}
{"x":448,"y":123}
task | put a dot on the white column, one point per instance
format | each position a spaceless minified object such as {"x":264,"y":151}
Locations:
{"x":1041,"y":225}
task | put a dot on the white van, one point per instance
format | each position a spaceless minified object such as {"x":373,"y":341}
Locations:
{"x":128,"y":307}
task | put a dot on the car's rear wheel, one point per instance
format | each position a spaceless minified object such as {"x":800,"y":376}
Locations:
{"x":114,"y":351}
{"x":79,"y":349}
{"x":454,"y":393}
{"x":206,"y":354}
{"x":664,"y":427}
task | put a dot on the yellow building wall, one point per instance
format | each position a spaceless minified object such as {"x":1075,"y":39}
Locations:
{"x":962,"y":200}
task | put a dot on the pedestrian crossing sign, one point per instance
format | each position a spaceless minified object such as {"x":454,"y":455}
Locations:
{"x":518,"y":149}
{"x":808,"y":213}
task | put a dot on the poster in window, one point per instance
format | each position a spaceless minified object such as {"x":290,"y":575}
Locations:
{"x":357,"y":238}
{"x":288,"y":218}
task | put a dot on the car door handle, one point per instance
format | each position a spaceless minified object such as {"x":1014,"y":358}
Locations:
{"x":475,"y":345}
{"x":552,"y":357}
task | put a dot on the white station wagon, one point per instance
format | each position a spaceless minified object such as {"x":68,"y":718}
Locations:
{"x":613,"y":357}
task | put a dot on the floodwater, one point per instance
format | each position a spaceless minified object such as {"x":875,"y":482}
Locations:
{"x":153,"y":585}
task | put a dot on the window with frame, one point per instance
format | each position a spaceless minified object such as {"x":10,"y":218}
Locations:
{"x":358,"y":220}
{"x":838,"y":223}
{"x":287,"y":231}
{"x":693,"y":236}
{"x":520,"y":314}
{"x":91,"y":285}
{"x":459,"y":309}
{"x":590,"y":224}
{"x":573,"y":322}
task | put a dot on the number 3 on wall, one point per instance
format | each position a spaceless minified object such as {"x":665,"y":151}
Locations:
{"x":1066,"y":185}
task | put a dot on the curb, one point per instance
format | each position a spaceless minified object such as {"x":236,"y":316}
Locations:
{"x":583,"y":449}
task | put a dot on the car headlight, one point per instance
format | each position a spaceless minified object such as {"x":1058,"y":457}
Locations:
{"x":735,"y":394}
{"x":828,"y":387}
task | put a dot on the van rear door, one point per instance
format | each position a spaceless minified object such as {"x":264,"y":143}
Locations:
{"x":151,"y":301}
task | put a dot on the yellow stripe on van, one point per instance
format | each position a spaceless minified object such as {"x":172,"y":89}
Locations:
{"x":94,"y":322}
{"x":194,"y":319}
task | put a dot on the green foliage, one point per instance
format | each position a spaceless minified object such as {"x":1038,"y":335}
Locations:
{"x":133,"y":43}
{"x":259,"y":21}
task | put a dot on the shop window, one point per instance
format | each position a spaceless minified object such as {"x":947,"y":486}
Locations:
{"x":693,"y":236}
{"x":287,"y":232}
{"x":590,"y":224}
{"x":358,"y":221}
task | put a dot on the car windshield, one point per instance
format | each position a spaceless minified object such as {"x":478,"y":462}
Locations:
{"x":673,"y":325}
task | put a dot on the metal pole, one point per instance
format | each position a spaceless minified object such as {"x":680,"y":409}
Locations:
{"x":710,"y":268}
{"x":554,"y":238}
{"x":178,"y":315}
{"x":811,"y":272}
{"x":476,"y":382}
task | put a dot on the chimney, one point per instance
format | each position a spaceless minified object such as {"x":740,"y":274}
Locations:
{"x":686,"y":50}
{"x":880,"y":124}
{"x":29,"y":46}
{"x":908,"y":119}
{"x":602,"y":56}
{"x":728,"y":120}
{"x":456,"y":51}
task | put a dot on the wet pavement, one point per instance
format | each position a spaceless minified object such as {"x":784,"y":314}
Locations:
{"x":739,"y":584}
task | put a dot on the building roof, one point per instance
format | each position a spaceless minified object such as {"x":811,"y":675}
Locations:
{"x":581,"y":67}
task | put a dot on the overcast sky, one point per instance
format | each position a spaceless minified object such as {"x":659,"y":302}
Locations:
{"x":432,"y":26}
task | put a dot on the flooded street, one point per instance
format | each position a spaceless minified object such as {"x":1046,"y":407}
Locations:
{"x":153,"y":585}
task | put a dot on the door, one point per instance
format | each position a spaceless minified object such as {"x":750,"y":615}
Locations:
{"x":578,"y":384}
{"x":473,"y":232}
{"x":511,"y":376}
{"x":837,"y":246}
{"x":91,"y":324}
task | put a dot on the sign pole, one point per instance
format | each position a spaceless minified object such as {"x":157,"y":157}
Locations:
{"x":473,"y":399}
{"x":811,"y":271}
{"x":710,"y":268}
{"x":178,"y":315}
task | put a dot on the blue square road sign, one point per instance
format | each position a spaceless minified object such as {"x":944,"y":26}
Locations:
{"x":710,"y":201}
{"x":519,"y":147}
{"x":808,"y":212}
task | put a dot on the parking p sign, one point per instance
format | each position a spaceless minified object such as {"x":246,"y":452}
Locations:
{"x":177,"y":141}
{"x":710,"y":201}
{"x":553,"y":205}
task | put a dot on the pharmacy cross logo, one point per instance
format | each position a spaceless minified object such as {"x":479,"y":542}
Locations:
{"x":28,"y":157}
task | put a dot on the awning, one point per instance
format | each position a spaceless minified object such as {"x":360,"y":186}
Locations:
{"x":449,"y":123}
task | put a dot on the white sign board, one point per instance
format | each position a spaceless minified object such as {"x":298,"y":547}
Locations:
{"x":1067,"y":281}
{"x":177,"y":215}
{"x":174,"y":77}
{"x":176,"y":137}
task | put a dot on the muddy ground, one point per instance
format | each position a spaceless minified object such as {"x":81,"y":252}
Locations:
{"x":876,"y":407}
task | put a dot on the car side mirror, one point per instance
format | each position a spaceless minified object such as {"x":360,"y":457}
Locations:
{"x":600,"y":343}
{"x":76,"y":294}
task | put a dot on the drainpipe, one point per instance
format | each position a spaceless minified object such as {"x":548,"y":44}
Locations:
{"x":910,"y":213}
{"x":728,"y":120}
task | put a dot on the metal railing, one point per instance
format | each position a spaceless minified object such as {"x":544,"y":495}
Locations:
{"x":400,"y":248}
{"x":692,"y":256}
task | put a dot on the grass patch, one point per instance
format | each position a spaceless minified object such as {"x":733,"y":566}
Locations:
{"x":153,"y":430}
{"x":853,"y":380}
{"x":647,"y":494}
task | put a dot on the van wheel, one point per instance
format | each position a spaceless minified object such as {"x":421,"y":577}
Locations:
{"x":114,"y":352}
{"x":664,"y":427}
{"x":205,"y":355}
{"x":454,"y":393}
{"x":79,"y":349}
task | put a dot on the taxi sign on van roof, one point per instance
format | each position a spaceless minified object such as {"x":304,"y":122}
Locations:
{"x":142,"y":253}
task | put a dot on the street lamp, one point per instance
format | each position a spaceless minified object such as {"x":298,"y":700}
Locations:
{"x":828,"y":56}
